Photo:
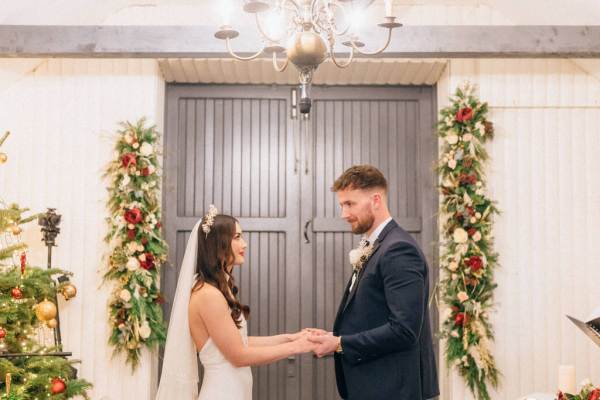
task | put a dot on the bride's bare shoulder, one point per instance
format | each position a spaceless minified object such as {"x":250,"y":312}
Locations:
{"x":207,"y":295}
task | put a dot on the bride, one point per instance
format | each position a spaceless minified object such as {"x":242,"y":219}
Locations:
{"x":207,"y":318}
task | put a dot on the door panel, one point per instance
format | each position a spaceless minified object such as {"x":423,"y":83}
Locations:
{"x":237,"y":147}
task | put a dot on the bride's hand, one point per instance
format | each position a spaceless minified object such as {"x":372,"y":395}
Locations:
{"x":303,"y":345}
{"x":316,"y":331}
{"x":298,"y":335}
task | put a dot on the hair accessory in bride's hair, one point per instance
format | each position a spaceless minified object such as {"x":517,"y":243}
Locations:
{"x":209,"y":219}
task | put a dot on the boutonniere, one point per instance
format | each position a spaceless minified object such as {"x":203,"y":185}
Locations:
{"x":360,"y":255}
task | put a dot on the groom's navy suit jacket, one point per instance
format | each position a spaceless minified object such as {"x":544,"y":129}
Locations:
{"x":384,"y":324}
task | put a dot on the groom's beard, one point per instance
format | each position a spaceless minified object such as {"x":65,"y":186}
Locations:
{"x":362,"y":226}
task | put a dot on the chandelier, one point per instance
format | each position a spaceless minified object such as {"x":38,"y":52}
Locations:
{"x":307,"y":31}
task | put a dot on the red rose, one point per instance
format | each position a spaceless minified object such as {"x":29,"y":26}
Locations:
{"x":133,"y":216}
{"x":471,"y":231}
{"x":595,"y":395}
{"x":475,"y":263}
{"x":461,"y":319}
{"x":470,"y":211}
{"x":144,"y":241}
{"x":148,"y":263}
{"x":145,"y":171}
{"x":464,"y":114}
{"x":158,"y":225}
{"x":455,"y":309}
{"x":131,"y":234}
{"x":128,"y":159}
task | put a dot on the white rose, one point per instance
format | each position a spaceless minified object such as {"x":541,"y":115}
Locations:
{"x":133,"y":264}
{"x":354,"y":256}
{"x":462,"y":297}
{"x":145,"y":330}
{"x":452,"y":164}
{"x":135,"y":145}
{"x":467,"y":137}
{"x":146,"y":149}
{"x":125,"y":295}
{"x":453,"y":266}
{"x":477,"y":236}
{"x":452,"y":139}
{"x":460,"y":235}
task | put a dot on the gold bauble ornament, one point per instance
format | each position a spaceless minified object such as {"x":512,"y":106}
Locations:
{"x":52,"y":323}
{"x":3,"y":158}
{"x":16,"y":230}
{"x":46,"y":310}
{"x":68,"y":291}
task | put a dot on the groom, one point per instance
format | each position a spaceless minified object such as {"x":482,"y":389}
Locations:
{"x":381,"y":337}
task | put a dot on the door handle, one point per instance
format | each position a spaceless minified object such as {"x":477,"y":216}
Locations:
{"x":291,"y":366}
{"x":306,"y":239}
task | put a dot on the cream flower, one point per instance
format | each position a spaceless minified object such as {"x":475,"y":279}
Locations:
{"x":462,"y":297}
{"x":477,"y":236}
{"x":452,"y":139}
{"x":467,"y":137}
{"x":454,"y":334}
{"x":354,"y":256}
{"x":125,"y":295}
{"x":460,"y":235}
{"x":452,"y":164}
{"x":453,"y":266}
{"x":133,"y":264}
{"x":135,"y":145}
{"x":145,"y":330}
{"x":146,"y":149}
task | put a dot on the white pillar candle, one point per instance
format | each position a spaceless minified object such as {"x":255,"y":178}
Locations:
{"x":388,"y":8}
{"x":566,"y":379}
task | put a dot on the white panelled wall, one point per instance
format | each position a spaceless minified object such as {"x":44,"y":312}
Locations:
{"x":62,"y":116}
{"x":543,"y":173}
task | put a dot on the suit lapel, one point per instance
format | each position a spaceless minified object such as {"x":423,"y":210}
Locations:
{"x":360,"y":274}
{"x":347,"y":297}
{"x":391,"y":225}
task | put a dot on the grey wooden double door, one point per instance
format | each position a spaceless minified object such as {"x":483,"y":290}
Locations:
{"x":239,"y":148}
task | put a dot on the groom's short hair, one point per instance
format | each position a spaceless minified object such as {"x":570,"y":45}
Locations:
{"x":360,"y":177}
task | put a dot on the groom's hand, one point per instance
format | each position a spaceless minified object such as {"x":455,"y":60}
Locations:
{"x":325,"y":344}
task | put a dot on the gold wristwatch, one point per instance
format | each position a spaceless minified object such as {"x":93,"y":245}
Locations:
{"x":339,"y":349}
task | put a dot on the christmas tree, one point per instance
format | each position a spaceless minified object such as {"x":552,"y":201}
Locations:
{"x":30,"y":368}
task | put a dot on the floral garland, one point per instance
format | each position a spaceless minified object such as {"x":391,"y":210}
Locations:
{"x":588,"y":392}
{"x":137,"y":249}
{"x":468,"y":259}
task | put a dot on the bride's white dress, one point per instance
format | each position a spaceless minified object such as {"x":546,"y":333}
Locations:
{"x":223,"y":381}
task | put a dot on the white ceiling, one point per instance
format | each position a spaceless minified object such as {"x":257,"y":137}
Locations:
{"x":415,"y":12}
{"x":260,"y":71}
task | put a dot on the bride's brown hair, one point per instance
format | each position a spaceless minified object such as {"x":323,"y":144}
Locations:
{"x":215,"y":255}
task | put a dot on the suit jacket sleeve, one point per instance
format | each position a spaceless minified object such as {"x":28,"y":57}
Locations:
{"x":403,"y":273}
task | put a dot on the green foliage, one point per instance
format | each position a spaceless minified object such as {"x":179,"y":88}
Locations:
{"x":137,"y":248}
{"x":468,"y":259}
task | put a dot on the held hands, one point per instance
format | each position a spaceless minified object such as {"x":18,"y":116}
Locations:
{"x":304,"y":339}
{"x":324,"y":344}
